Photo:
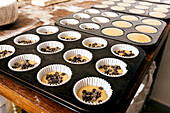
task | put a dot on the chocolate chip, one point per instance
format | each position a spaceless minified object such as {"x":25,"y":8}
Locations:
{"x":101,"y":88}
{"x":99,"y":101}
{"x":63,"y":74}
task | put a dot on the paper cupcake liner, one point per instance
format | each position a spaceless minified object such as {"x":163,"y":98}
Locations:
{"x":92,"y":11}
{"x":73,"y":52}
{"x":52,"y":68}
{"x":129,"y":1}
{"x":112,"y":61}
{"x":42,"y":30}
{"x":93,"y":81}
{"x":89,"y":25}
{"x":69,"y":33}
{"x":100,"y":20}
{"x":69,"y":21}
{"x":8,"y":48}
{"x":125,"y":47}
{"x":108,"y":2}
{"x":101,"y":6}
{"x":94,"y":40}
{"x":34,"y":38}
{"x":24,"y":57}
{"x":109,"y":14}
{"x":50,"y":44}
{"x":81,"y":16}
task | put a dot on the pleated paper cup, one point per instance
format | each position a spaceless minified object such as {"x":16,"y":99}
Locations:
{"x":74,"y":52}
{"x":93,"y":26}
{"x":81,"y":16}
{"x":24,"y":57}
{"x":108,"y":2}
{"x":94,"y":40}
{"x":100,"y":19}
{"x":71,"y":34}
{"x":109,"y":14}
{"x":92,"y":81}
{"x":102,"y":6}
{"x":45,"y":29}
{"x":34,"y":38}
{"x":8,"y":48}
{"x":54,"y":68}
{"x":125,"y":47}
{"x":50,"y":44}
{"x":112,"y":61}
{"x":92,"y":11}
{"x":69,"y":21}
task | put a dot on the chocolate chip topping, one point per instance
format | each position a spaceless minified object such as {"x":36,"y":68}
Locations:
{"x":110,"y":69}
{"x":4,"y":52}
{"x":50,"y":49}
{"x":95,"y":45}
{"x":23,"y":66}
{"x":55,"y":78}
{"x":91,"y":96}
{"x":77,"y":58}
{"x":124,"y":53}
{"x":25,"y":41}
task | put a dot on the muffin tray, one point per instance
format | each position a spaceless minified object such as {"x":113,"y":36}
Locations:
{"x":149,"y":7}
{"x":159,"y":1}
{"x":155,"y":37}
{"x":64,"y":94}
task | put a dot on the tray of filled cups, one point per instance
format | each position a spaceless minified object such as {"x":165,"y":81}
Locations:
{"x":84,"y":72}
{"x":163,"y":2}
{"x":131,"y":29}
{"x":142,"y":8}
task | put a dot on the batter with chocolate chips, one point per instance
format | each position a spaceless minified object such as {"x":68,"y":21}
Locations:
{"x":50,"y":49}
{"x":111,"y":69}
{"x":124,"y":53}
{"x":54,"y":77}
{"x":24,"y":65}
{"x":69,"y":37}
{"x":92,"y":94}
{"x":25,"y":42}
{"x":4,"y":53}
{"x":78,"y":58}
{"x":95,"y":45}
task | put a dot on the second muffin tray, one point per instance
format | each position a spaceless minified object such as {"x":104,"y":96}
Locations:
{"x":101,"y":19}
{"x":64,"y":94}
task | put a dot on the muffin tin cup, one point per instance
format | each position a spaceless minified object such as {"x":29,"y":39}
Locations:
{"x":93,"y":26}
{"x":50,"y":44}
{"x":69,"y":33}
{"x":8,"y":48}
{"x":111,"y":61}
{"x":53,"y":68}
{"x":33,"y":37}
{"x":94,"y":40}
{"x":81,"y":16}
{"x":74,"y":52}
{"x":69,"y":21}
{"x":125,"y":47}
{"x":109,"y":14}
{"x":23,"y":57}
{"x":45,"y":29}
{"x":100,"y":20}
{"x":93,"y":81}
{"x":91,"y":11}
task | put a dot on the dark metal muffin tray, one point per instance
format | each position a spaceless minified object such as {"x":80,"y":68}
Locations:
{"x":154,"y":36}
{"x":161,"y":1}
{"x":146,"y":13}
{"x":64,"y":94}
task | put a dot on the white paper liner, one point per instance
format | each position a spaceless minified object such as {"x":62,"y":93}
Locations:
{"x":93,"y":81}
{"x":94,"y":40}
{"x":92,"y":11}
{"x":138,"y":41}
{"x":89,"y":25}
{"x":34,"y":38}
{"x":81,"y":16}
{"x":109,"y":14}
{"x":8,"y":48}
{"x":74,"y":52}
{"x":108,"y":2}
{"x":50,"y":44}
{"x":112,"y":61}
{"x":52,"y":29}
{"x":69,"y":33}
{"x":125,"y":47}
{"x":100,"y":20}
{"x":69,"y":21}
{"x":23,"y":57}
{"x":53,"y":68}
{"x":100,"y":6}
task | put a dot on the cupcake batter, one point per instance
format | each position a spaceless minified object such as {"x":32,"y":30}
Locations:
{"x":146,"y":29}
{"x":4,"y":53}
{"x":157,"y":14}
{"x":129,"y":18}
{"x":78,"y":58}
{"x":111,"y":69}
{"x":124,"y":4}
{"x":54,"y":77}
{"x":122,"y":24}
{"x":151,"y":22}
{"x":69,"y":37}
{"x":119,"y":8}
{"x":112,"y":31}
{"x":94,"y":45}
{"x":163,"y":10}
{"x":25,"y":42}
{"x":138,"y":37}
{"x":138,"y":11}
{"x":100,"y":6}
{"x":98,"y":94}
{"x":141,"y":7}
{"x":50,"y":49}
{"x":24,"y":65}
{"x":124,"y":53}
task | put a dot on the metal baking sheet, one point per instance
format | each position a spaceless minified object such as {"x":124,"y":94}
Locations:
{"x":64,"y":94}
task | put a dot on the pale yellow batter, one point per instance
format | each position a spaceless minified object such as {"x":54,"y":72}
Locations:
{"x":157,"y":14}
{"x":125,"y":51}
{"x":138,"y":37}
{"x":138,"y":11}
{"x":122,"y":24}
{"x":163,"y":10}
{"x":22,"y":62}
{"x":94,"y":45}
{"x":69,"y":37}
{"x":112,"y":31}
{"x":146,"y":29}
{"x":44,"y":80}
{"x":82,"y":57}
{"x":141,"y":7}
{"x":108,"y":2}
{"x":5,"y":54}
{"x":120,"y":71}
{"x":151,"y":22}
{"x":124,"y":4}
{"x":90,"y":89}
{"x":119,"y":8}
{"x":25,"y":41}
{"x":145,"y":3}
{"x":129,"y":18}
{"x":100,"y":6}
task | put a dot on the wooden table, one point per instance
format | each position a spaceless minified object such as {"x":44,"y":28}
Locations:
{"x":34,"y":102}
